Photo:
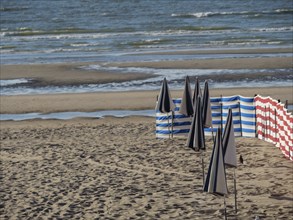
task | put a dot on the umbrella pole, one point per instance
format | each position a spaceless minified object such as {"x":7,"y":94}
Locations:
{"x":202,"y":165}
{"x":168,"y":124}
{"x":225,"y":208}
{"x":235,"y":191}
{"x":172,"y":120}
{"x":213,"y":134}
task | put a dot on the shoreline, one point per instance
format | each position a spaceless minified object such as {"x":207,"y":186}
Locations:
{"x":77,"y":73}
{"x":63,"y":74}
{"x":131,"y":100}
{"x":260,"y":50}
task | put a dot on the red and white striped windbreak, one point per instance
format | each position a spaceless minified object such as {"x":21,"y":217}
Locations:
{"x":274,"y":124}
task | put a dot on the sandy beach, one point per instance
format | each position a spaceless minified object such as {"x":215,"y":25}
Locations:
{"x":132,"y":100}
{"x":62,"y":74}
{"x":115,"y":168}
{"x":79,"y":134}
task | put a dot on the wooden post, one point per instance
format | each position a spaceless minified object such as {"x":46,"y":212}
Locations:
{"x":269,"y":122}
{"x":255,"y":119}
{"x":221,"y":104}
{"x":240,"y":118}
{"x":265,"y":122}
{"x":172,"y":122}
{"x":275,"y":126}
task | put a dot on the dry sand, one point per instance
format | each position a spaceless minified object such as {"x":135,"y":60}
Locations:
{"x":116,"y":169}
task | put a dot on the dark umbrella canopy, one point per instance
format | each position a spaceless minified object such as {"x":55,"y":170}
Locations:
{"x":196,"y":138}
{"x":196,"y":92}
{"x":215,"y":182}
{"x":229,"y":147}
{"x":186,"y":107}
{"x":165,"y":103}
{"x":206,"y":111}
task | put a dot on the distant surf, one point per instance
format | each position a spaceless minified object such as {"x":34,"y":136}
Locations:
{"x":70,"y":31}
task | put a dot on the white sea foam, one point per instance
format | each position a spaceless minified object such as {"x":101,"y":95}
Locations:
{"x":273,"y":29}
{"x":108,"y":27}
{"x":9,"y":82}
{"x":209,"y":13}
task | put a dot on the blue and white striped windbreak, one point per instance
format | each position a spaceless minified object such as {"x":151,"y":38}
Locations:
{"x":243,"y":111}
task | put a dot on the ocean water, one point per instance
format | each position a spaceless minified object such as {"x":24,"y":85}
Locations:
{"x":109,"y":30}
{"x":125,"y":30}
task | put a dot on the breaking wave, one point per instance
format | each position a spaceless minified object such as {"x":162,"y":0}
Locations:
{"x":210,"y":14}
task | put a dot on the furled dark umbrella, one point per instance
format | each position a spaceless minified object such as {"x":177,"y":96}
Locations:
{"x":186,"y":107}
{"x":196,"y":138}
{"x":196,"y":92}
{"x":229,"y":150}
{"x":215,"y":182}
{"x":206,"y":107}
{"x":165,"y":103}
{"x":229,"y":146}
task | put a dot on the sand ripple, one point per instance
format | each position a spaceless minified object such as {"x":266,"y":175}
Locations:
{"x":116,"y":169}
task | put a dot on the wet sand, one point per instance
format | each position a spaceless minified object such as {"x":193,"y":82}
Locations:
{"x":133,"y":100}
{"x":76,"y":74}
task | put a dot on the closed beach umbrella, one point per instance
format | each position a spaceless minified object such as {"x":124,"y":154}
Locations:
{"x":215,"y":182}
{"x":165,"y":103}
{"x":186,"y":107}
{"x":229,"y":150}
{"x":206,"y":105}
{"x":196,"y":138}
{"x":229,"y":147}
{"x":196,"y":92}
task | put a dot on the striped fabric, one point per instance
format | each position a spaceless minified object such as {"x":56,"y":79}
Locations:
{"x":275,"y":124}
{"x":243,"y":111}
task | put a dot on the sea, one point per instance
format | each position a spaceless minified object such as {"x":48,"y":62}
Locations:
{"x":103,"y":31}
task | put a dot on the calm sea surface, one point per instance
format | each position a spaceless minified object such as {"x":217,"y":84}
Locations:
{"x":87,"y":30}
{"x":117,"y":30}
